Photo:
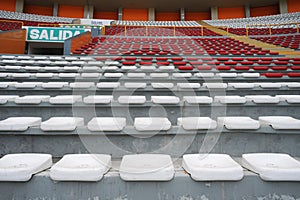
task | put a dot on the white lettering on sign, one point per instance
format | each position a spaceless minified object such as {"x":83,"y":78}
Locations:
{"x":34,"y":34}
{"x":48,"y":34}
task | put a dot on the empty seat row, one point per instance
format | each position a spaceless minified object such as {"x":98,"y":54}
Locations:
{"x":150,"y":167}
{"x":154,"y":85}
{"x":149,"y":124}
{"x":140,"y":99}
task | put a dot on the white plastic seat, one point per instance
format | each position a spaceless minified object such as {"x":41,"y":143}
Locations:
{"x":26,"y":62}
{"x":61,"y":62}
{"x":65,"y":99}
{"x":204,"y":75}
{"x":250,"y":75}
{"x":107,"y":124}
{"x":9,"y":61}
{"x":132,"y":99}
{"x":239,"y":123}
{"x":55,"y":58}
{"x":6,"y":98}
{"x":81,"y":167}
{"x":129,"y":68}
{"x":82,"y":85}
{"x":165,"y":99}
{"x":21,"y":167}
{"x":4,"y":75}
{"x":62,"y":123}
{"x":227,"y":75}
{"x":43,"y":62}
{"x":71,"y":68}
{"x":19,"y":123}
{"x":44,"y":75}
{"x":98,"y":99}
{"x":78,"y":62}
{"x":280,"y":122}
{"x":272,"y":166}
{"x":110,"y":68}
{"x":96,"y":63}
{"x":197,"y":99}
{"x":113,"y":75}
{"x":212,"y":167}
{"x":90,"y":68}
{"x":108,"y":85}
{"x":71,"y":58}
{"x":7,"y":84}
{"x":152,"y":124}
{"x":162,"y":85}
{"x":230,"y":99}
{"x":68,"y":75}
{"x":148,"y":68}
{"x":111,"y":63}
{"x":86,"y":58}
{"x":242,"y":85}
{"x":289,"y":98}
{"x":196,"y":123}
{"x":189,"y":85}
{"x":28,"y":85}
{"x":134,"y":85}
{"x":32,"y":99}
{"x":23,"y":57}
{"x":90,"y":75}
{"x":32,"y":68}
{"x":136,"y":75}
{"x":167,"y":68}
{"x":56,"y":69}
{"x":215,"y":85}
{"x":21,"y":75}
{"x":147,"y":167}
{"x":268,"y":85}
{"x":182,"y":75}
{"x":262,"y":99}
{"x":12,"y":67}
{"x":291,"y":84}
{"x":54,"y":85}
{"x":159,"y":75}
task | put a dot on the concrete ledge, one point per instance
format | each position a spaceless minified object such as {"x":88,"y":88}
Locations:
{"x":117,"y":145}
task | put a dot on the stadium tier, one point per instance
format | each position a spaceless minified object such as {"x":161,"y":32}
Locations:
{"x":135,"y":109}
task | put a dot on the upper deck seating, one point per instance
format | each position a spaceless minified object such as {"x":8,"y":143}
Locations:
{"x":244,"y":22}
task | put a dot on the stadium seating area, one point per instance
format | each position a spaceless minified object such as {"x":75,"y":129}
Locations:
{"x":35,"y":18}
{"x":14,"y":20}
{"x":288,"y":41}
{"x":173,"y":105}
{"x":253,"y":21}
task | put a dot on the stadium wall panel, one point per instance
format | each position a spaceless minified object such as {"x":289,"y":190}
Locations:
{"x":229,"y":13}
{"x":135,"y":14}
{"x":70,"y":11}
{"x":265,"y":10}
{"x":39,"y":10}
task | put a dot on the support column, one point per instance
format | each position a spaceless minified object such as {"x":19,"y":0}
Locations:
{"x":88,"y":12}
{"x":182,"y":14}
{"x":120,"y":14}
{"x":214,"y":13}
{"x":151,"y":14}
{"x":19,"y":6}
{"x":247,"y":11}
{"x":283,"y":6}
{"x":55,"y":9}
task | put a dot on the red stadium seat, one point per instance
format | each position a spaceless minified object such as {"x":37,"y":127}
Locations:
{"x":273,"y":75}
{"x":185,"y":67}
